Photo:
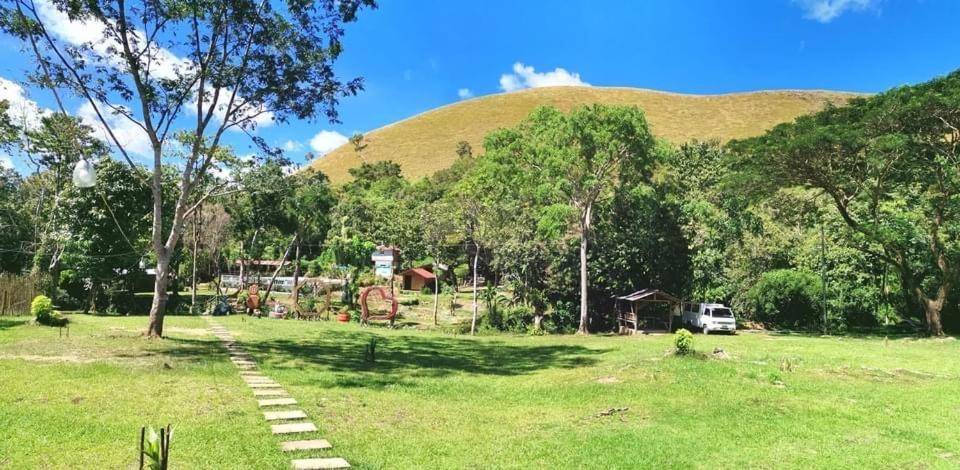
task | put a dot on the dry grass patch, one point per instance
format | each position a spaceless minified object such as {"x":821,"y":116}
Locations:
{"x":427,"y":142}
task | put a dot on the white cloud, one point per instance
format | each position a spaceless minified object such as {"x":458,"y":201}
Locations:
{"x":6,"y":162}
{"x":325,"y":141}
{"x":291,"y":146}
{"x":464,"y":93}
{"x":130,"y":135}
{"x":22,"y":111}
{"x":164,"y":64}
{"x":826,"y":11}
{"x":524,"y":76}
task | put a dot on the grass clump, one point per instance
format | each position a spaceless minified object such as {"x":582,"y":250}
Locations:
{"x":683,"y":342}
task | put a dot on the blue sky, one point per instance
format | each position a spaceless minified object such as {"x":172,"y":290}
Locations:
{"x":417,"y":55}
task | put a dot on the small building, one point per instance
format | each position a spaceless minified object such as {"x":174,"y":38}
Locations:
{"x":418,"y":278}
{"x":647,"y":310}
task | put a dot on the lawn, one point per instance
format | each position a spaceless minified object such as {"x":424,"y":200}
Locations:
{"x":443,"y":401}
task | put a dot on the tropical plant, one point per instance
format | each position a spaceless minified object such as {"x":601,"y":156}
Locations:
{"x":683,"y":342}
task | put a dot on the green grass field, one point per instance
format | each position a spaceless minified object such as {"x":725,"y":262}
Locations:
{"x":443,"y":401}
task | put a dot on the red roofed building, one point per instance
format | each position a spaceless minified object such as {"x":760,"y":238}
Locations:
{"x":418,"y":278}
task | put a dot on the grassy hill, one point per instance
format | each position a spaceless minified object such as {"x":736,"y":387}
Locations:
{"x":427,"y":142}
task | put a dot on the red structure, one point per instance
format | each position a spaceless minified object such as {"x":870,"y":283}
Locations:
{"x":365,"y":311}
{"x":418,"y":278}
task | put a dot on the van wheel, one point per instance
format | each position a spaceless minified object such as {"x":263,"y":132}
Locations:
{"x":705,"y":330}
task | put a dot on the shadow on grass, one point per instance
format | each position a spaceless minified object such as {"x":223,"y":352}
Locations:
{"x":400,"y":358}
{"x":181,"y":349}
{"x":7,"y":323}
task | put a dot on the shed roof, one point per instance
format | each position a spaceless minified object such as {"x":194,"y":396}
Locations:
{"x":420,"y":272}
{"x":649,"y":294}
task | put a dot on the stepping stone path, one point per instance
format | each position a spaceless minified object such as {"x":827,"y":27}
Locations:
{"x":272,"y":396}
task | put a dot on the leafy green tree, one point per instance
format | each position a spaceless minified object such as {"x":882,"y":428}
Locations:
{"x":308,"y":207}
{"x":889,"y":164}
{"x":241,"y":63}
{"x":14,"y":223}
{"x":787,"y":298}
{"x":54,"y":147}
{"x":573,"y":161}
{"x":105,"y":227}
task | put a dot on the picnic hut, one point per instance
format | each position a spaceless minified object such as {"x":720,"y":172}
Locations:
{"x":646,"y":310}
{"x":418,"y":278}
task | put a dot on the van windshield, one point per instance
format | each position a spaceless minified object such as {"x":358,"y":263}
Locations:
{"x":722,"y":313}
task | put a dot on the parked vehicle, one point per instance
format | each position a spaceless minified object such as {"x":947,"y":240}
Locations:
{"x":708,"y":318}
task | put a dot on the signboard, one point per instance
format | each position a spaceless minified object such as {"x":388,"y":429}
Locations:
{"x":384,"y":253}
{"x":383,"y":261}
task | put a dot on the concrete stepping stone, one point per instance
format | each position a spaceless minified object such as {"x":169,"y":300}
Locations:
{"x":311,"y":444}
{"x":277,"y":401}
{"x":263,"y":385}
{"x":276,"y":392}
{"x":292,"y":428}
{"x":320,"y":464}
{"x":257,"y":380}
{"x":277,"y":415}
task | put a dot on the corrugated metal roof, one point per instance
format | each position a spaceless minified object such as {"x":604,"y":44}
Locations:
{"x":649,"y":294}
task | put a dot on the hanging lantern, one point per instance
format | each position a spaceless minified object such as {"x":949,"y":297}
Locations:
{"x":84,"y":174}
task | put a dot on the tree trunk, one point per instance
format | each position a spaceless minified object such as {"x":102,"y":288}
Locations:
{"x":193,"y":274}
{"x":286,"y":254}
{"x":584,"y":233}
{"x":159,"y":306}
{"x":933,"y":307}
{"x":476,"y":259}
{"x":91,"y":299}
{"x":436,"y":300}
{"x":243,"y":274}
{"x":538,"y":321}
{"x":296,"y":277}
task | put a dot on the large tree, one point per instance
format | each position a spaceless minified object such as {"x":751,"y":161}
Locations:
{"x":201,"y":68}
{"x":890,"y":165}
{"x":572,"y":162}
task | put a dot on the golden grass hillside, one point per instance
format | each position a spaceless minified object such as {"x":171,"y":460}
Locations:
{"x":427,"y":142}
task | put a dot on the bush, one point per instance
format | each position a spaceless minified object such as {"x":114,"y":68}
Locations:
{"x":683,"y":342}
{"x":518,"y":319}
{"x":42,"y":310}
{"x":787,"y":298}
{"x":426,"y":290}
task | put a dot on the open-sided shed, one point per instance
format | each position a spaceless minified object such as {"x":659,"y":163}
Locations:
{"x":634,"y":312}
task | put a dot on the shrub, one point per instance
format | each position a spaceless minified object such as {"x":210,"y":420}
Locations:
{"x":426,"y":290}
{"x":308,"y":303}
{"x":787,"y":298}
{"x":683,"y":341}
{"x":42,"y":310}
{"x":409,"y":301}
{"x":518,"y":319}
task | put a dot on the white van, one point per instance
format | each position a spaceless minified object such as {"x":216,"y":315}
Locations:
{"x":708,"y":318}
